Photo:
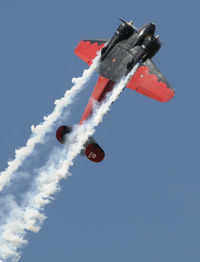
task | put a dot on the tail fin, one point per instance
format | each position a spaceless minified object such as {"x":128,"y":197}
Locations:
{"x":94,"y":152}
{"x":91,"y":149}
{"x":61,"y":133}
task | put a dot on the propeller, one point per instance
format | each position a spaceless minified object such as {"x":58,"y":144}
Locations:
{"x":128,"y":23}
{"x":136,"y":28}
{"x":157,"y":37}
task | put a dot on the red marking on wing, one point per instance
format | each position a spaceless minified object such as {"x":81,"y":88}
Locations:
{"x":87,"y":50}
{"x":94,"y":152}
{"x":149,"y":85}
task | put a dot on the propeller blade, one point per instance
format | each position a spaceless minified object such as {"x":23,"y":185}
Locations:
{"x":123,"y":21}
{"x":127,"y":23}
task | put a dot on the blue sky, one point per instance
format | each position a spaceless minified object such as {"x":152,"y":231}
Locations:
{"x":142,"y":202}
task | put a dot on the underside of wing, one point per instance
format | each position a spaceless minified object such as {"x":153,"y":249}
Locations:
{"x":87,"y":49}
{"x":149,"y":81}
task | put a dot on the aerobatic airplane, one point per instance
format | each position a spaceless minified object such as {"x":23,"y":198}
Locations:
{"x":119,"y":55}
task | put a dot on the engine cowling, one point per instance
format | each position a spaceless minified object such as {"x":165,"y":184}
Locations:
{"x":147,"y":50}
{"x":145,"y":31}
{"x":152,"y":46}
{"x":124,"y":31}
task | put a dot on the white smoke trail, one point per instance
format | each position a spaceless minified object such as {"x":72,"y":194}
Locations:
{"x":39,"y":131}
{"x":29,"y":216}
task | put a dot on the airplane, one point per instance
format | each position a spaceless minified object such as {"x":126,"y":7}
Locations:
{"x":119,"y":55}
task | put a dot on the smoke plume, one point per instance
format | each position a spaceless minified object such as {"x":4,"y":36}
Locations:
{"x":39,"y":131}
{"x":30,"y":216}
